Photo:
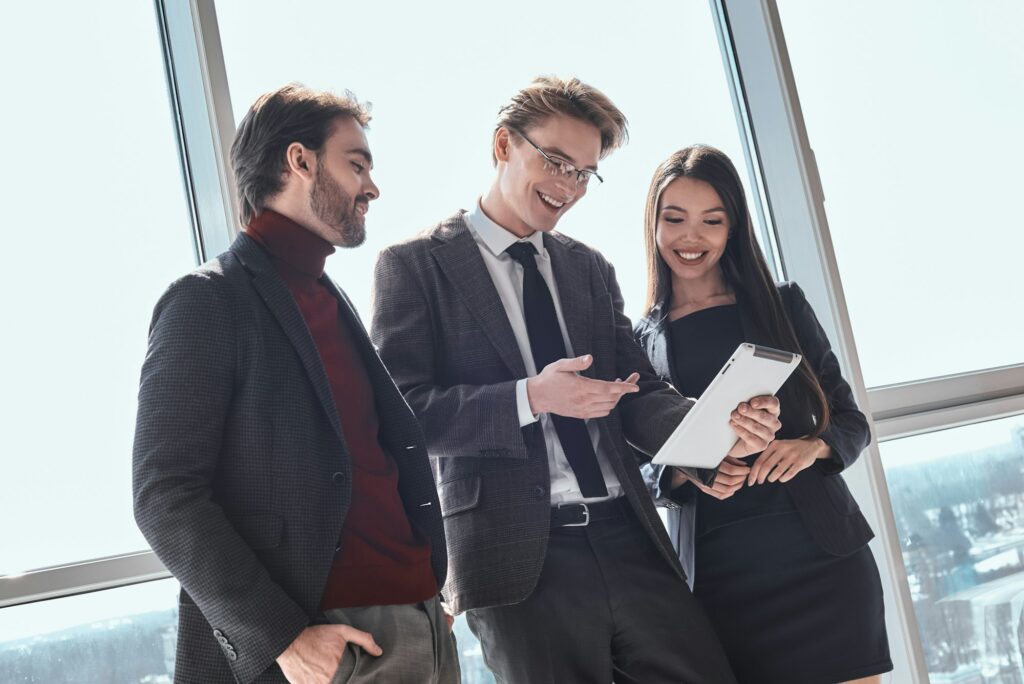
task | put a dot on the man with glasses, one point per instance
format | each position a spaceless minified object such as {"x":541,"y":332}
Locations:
{"x":509,"y":342}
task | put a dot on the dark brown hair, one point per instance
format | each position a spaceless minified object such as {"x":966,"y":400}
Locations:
{"x":277,"y":119}
{"x":548,"y":96}
{"x":742,"y":263}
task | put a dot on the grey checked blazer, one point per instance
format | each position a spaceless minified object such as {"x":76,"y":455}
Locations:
{"x":241,"y":476}
{"x":444,"y":334}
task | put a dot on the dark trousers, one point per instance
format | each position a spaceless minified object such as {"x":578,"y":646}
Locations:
{"x":607,"y":607}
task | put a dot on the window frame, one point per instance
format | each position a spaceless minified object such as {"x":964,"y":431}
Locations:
{"x":204,"y":128}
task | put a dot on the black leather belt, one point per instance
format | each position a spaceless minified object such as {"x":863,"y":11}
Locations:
{"x":581,"y":514}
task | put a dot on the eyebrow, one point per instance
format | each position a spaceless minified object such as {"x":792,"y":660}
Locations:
{"x":364,"y":153}
{"x":558,"y":152}
{"x":706,"y":211}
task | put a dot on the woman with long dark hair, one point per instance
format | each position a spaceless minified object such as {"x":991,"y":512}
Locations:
{"x":777,"y":548}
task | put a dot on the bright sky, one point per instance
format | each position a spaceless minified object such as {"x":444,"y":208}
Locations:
{"x":913,"y":109}
{"x":95,"y":227}
{"x":436,"y":81}
{"x":943,"y":443}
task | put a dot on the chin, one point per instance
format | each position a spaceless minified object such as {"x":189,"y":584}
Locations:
{"x":545,"y":224}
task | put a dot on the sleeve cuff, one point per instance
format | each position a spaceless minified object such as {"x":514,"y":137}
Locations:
{"x":834,"y":463}
{"x":526,"y":416}
{"x":669,"y":497}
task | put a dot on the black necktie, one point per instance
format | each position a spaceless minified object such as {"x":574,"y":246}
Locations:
{"x":548,"y":346}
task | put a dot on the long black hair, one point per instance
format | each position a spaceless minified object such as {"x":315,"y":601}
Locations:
{"x":742,"y":264}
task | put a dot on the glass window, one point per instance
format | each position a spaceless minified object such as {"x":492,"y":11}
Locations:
{"x":914,"y":115}
{"x":958,"y":500}
{"x":118,"y":635}
{"x":436,"y":80}
{"x":95,"y":227}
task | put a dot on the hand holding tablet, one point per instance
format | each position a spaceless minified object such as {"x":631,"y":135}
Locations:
{"x":705,"y":436}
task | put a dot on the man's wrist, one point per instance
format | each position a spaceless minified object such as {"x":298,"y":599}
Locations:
{"x":531,"y":396}
{"x":679,"y":478}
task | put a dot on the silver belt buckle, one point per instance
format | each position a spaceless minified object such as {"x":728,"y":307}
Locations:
{"x":586,"y":515}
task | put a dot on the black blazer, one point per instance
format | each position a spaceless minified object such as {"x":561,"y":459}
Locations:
{"x":819,"y":492}
{"x":241,"y":476}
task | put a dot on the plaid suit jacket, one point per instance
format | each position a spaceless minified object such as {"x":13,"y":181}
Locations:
{"x":442,"y":331}
{"x":241,"y":475}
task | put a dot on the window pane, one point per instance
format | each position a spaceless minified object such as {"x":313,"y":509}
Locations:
{"x":958,"y":498}
{"x":118,"y":636}
{"x":436,"y":80}
{"x":471,"y":656}
{"x":95,"y":227}
{"x":914,"y":114}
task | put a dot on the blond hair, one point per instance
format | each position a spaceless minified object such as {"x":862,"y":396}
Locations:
{"x":548,"y":96}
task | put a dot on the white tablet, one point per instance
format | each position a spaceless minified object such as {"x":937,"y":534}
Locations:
{"x":704,"y":437}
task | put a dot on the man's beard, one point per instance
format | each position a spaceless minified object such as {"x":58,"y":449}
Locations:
{"x":336,"y":208}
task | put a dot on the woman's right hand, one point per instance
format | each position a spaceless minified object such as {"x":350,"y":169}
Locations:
{"x":755,"y":422}
{"x":732,"y":473}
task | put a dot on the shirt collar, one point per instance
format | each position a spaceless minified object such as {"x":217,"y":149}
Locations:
{"x":496,"y":238}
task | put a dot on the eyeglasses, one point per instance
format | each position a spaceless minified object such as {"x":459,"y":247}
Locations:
{"x":560,"y":167}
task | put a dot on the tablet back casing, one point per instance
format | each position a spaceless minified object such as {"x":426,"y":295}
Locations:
{"x":704,"y":436}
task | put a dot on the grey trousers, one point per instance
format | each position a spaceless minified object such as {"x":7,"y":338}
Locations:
{"x":418,"y":646}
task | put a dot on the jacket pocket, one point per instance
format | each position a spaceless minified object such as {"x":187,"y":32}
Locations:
{"x":459,"y":495}
{"x":260,"y":530}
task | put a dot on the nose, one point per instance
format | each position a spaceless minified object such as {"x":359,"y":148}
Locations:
{"x":569,"y":187}
{"x":686,"y":229}
{"x":370,"y":189}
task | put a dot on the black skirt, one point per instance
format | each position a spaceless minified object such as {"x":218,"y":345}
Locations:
{"x":785,"y":610}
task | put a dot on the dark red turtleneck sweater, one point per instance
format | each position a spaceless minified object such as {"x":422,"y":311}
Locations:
{"x":382,"y":559}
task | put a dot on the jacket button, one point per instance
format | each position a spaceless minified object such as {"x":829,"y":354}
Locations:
{"x":539,"y":492}
{"x":232,"y":656}
{"x":217,"y":633}
{"x":338,"y":478}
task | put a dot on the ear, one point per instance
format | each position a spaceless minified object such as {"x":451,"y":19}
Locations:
{"x":300,"y":161}
{"x":502,"y":142}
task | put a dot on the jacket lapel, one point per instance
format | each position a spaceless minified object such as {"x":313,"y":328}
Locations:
{"x":459,"y":258}
{"x":282,"y":305}
{"x":572,"y":275}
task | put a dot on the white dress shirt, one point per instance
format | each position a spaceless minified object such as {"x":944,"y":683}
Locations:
{"x":507,"y":275}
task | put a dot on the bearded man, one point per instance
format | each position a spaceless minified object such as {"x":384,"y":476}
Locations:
{"x":278,"y":473}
